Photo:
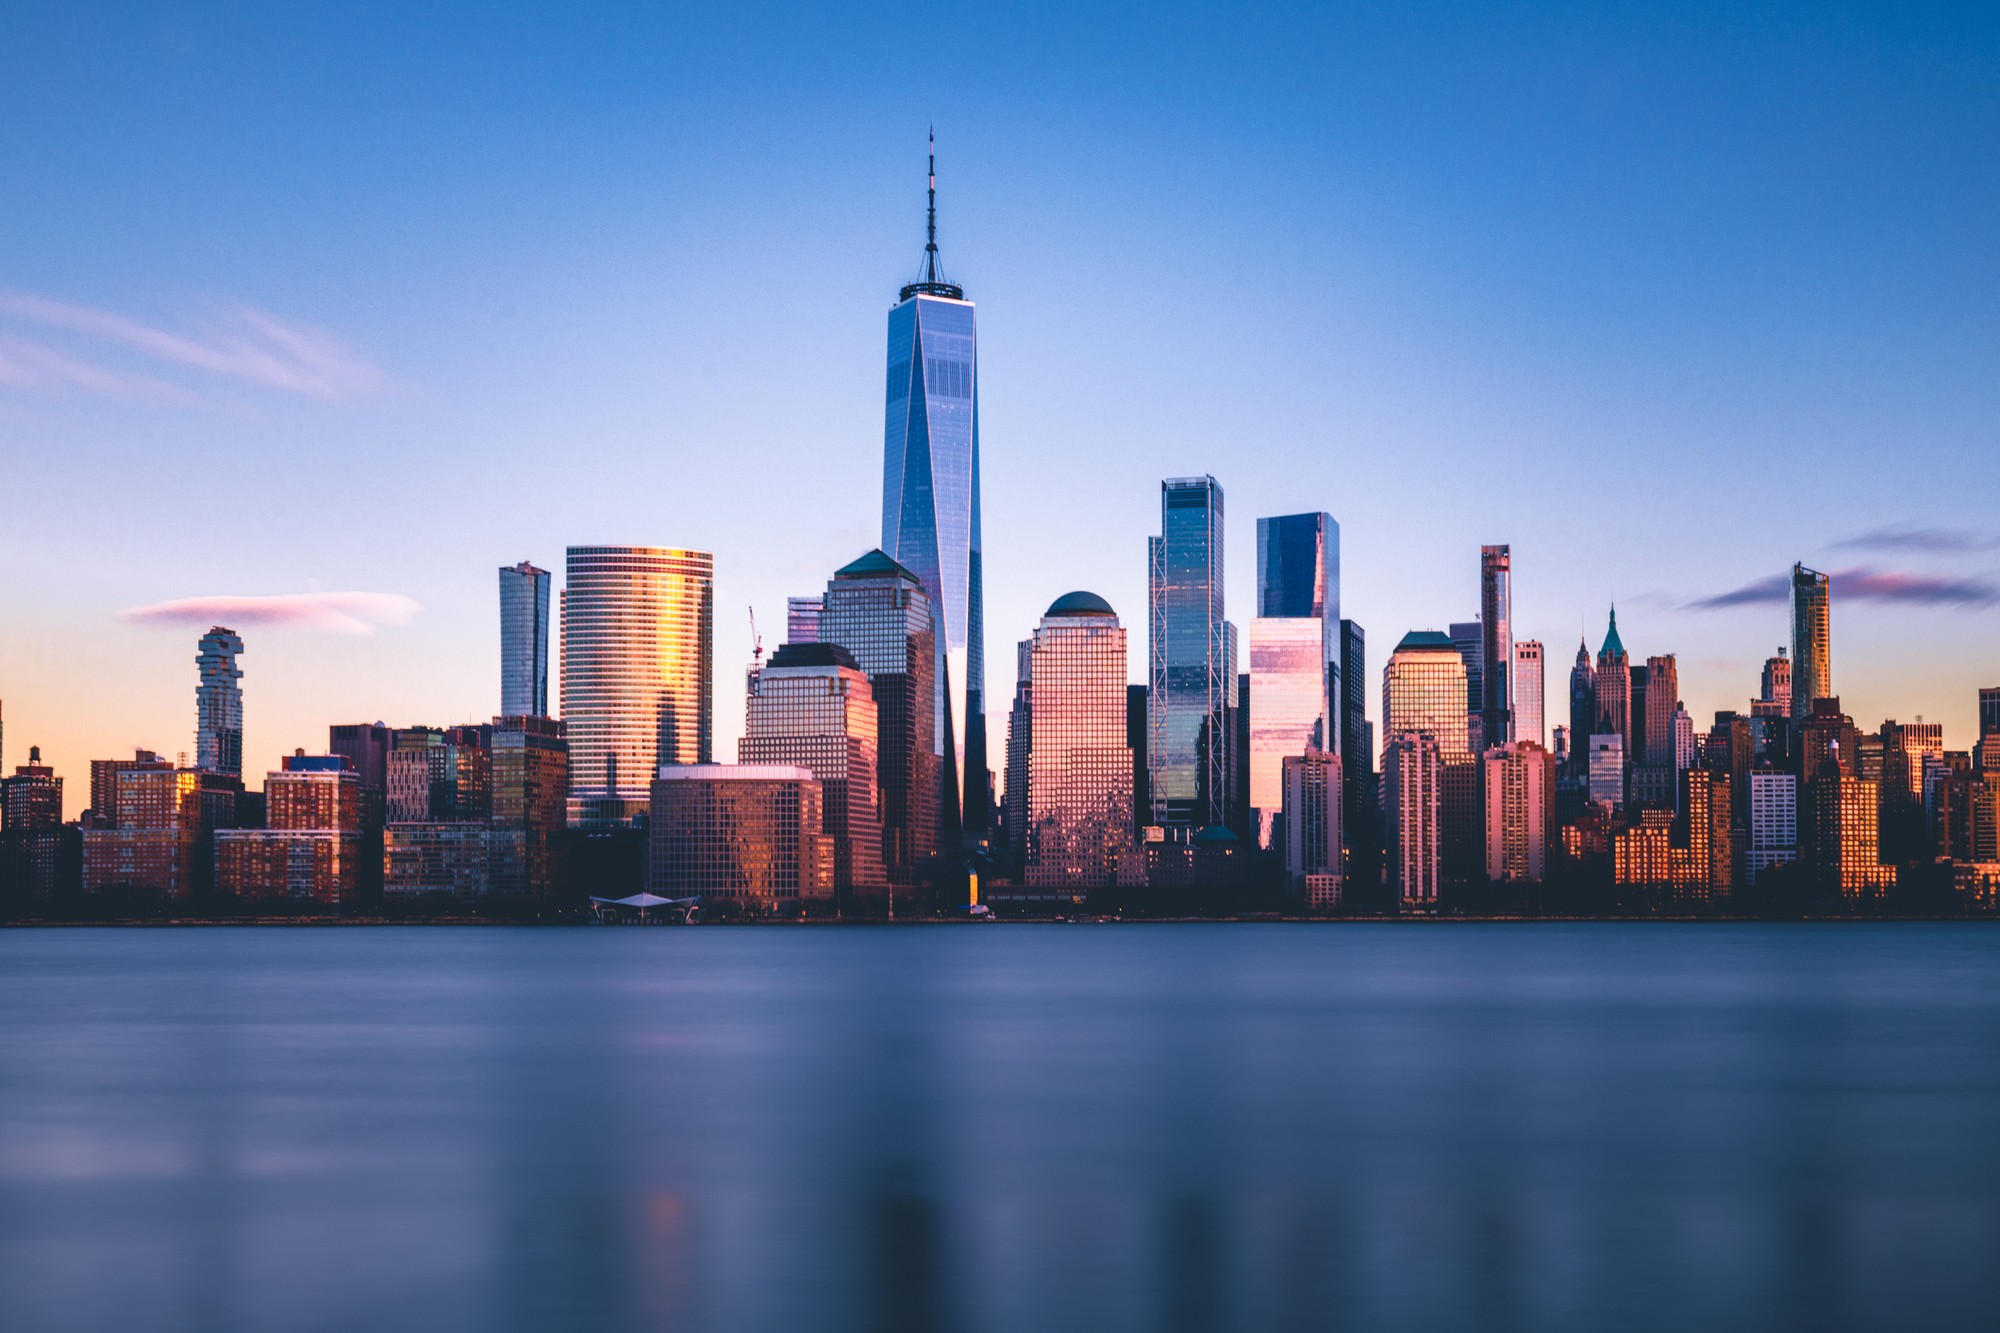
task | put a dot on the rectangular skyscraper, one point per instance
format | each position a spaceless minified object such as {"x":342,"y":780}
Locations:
{"x":218,"y":705}
{"x":1469,"y":637}
{"x":1812,"y":656}
{"x":930,"y":509}
{"x":1080,"y":769}
{"x":1496,"y":618}
{"x":1191,"y":659}
{"x":524,"y":641}
{"x":1528,"y":696}
{"x":802,"y":619}
{"x":638,"y":668}
{"x":1298,"y":578}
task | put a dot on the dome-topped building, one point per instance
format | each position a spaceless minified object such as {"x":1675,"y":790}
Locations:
{"x":1080,"y":604}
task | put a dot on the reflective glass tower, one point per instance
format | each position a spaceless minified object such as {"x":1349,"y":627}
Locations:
{"x":1812,"y":656}
{"x":1496,"y":619}
{"x":1294,"y":654}
{"x":1191,"y":656}
{"x":1080,"y":768}
{"x":930,"y":507}
{"x":218,"y":704}
{"x":524,"y":641}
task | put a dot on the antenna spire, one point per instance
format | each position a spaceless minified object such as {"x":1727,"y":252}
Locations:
{"x":931,"y":283}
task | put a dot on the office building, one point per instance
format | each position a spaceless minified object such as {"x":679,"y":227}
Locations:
{"x":218,"y":704}
{"x":458,"y":858}
{"x":422,"y":776}
{"x":1137,"y":714}
{"x":638,"y":650}
{"x":1287,"y":709}
{"x":1812,"y":652}
{"x":1020,"y":736}
{"x":1298,"y":578}
{"x":1582,"y":708}
{"x":879,"y":612}
{"x":1606,"y":770}
{"x":530,"y":759}
{"x":1612,"y":684}
{"x":747,"y":834}
{"x":1469,"y":637}
{"x":524,"y":640}
{"x":1079,"y":766}
{"x":1840,"y":836}
{"x":1663,"y":699}
{"x":930,"y":511}
{"x":1529,"y":700}
{"x":811,"y":707}
{"x":1520,"y":793}
{"x":1423,"y":689}
{"x":1413,"y":811}
{"x":1774,"y":822}
{"x":1989,"y":711}
{"x":1685,"y":746}
{"x":802,"y":618}
{"x":1191,"y":660}
{"x":1314,"y":865}
{"x":1967,"y":819}
{"x":1496,"y":619}
{"x":365,"y":746}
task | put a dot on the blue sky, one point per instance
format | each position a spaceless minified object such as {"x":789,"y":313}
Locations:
{"x":348,"y":299}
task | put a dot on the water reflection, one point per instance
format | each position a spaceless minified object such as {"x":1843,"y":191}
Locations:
{"x":1172,"y":1128}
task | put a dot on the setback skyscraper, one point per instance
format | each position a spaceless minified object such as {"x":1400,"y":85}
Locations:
{"x":930,"y":509}
{"x":1191,"y":659}
{"x":638,"y":626}
{"x":1812,"y":655}
{"x":524,"y":641}
{"x":218,"y":705}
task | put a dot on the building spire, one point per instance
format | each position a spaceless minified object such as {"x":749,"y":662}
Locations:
{"x":931,"y":283}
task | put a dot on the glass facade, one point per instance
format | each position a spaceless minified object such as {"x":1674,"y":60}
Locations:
{"x":802,"y":619}
{"x":879,"y":612}
{"x":812,"y":707}
{"x":747,"y":832}
{"x":1079,"y":766}
{"x":930,"y":523}
{"x":1812,"y":651}
{"x":218,"y":705}
{"x":1529,"y":699}
{"x":1496,"y":619}
{"x":1287,"y":709}
{"x":524,"y":641}
{"x":1298,"y":578}
{"x":638,"y":649}
{"x":1191,"y":660}
{"x":1423,"y":690}
{"x":531,"y":790}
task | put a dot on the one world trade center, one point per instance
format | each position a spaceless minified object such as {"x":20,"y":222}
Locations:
{"x":930,"y":512}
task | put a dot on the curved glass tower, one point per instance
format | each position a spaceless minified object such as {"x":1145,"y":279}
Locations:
{"x":930,"y":513}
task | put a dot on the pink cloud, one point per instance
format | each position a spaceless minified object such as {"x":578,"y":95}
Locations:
{"x":313,"y":612}
{"x":1865,"y":585}
{"x":246,"y":345}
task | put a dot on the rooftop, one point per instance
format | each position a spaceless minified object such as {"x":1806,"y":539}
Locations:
{"x":1080,"y":604}
{"x":877,"y":564}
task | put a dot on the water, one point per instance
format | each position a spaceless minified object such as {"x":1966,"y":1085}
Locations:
{"x":1001,"y":1127}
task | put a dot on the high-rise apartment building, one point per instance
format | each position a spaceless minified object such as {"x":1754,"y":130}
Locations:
{"x":531,"y":791}
{"x":748,"y":833}
{"x":638,"y":652}
{"x":930,"y":510}
{"x":811,"y":707}
{"x":1413,"y":809}
{"x":103,"y":812}
{"x":524,"y":640}
{"x":311,"y":847}
{"x":1529,"y":700}
{"x":1191,"y":658}
{"x":880,"y":613}
{"x":1774,"y":822}
{"x":366,"y":747}
{"x":1774,"y":695}
{"x":218,"y":704}
{"x":1496,"y":619}
{"x":422,"y":776}
{"x":1079,"y":765}
{"x":1314,"y":865}
{"x":1520,"y":794}
{"x":1841,"y":836}
{"x":1605,"y":768}
{"x":1812,"y":652}
{"x":163,"y":843}
{"x":1989,"y":711}
{"x":31,"y":830}
{"x":1663,"y":698}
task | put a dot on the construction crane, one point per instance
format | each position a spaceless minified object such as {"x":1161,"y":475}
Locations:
{"x":756,"y":641}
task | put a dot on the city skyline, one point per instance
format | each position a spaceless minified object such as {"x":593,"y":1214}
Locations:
{"x":235,"y":379}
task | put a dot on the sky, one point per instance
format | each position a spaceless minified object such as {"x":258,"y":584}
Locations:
{"x":345,"y":306}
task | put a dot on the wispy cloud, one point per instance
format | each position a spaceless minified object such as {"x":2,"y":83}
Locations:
{"x":1865,"y":585}
{"x":241,"y":344}
{"x":314,"y":612}
{"x":1914,"y":537}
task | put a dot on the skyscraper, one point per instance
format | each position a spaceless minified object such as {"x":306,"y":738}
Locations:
{"x":802,"y":619}
{"x":1469,"y":637}
{"x":1613,"y":687}
{"x":1412,"y":806}
{"x":878,"y":611}
{"x":1529,"y":700}
{"x":1423,"y":689}
{"x":218,"y":705}
{"x":524,"y":641}
{"x":1520,"y":789}
{"x":1774,"y":699}
{"x":1663,"y":696}
{"x":1080,"y":768}
{"x":930,"y":508}
{"x":638,"y":648}
{"x":531,"y":791}
{"x":1989,"y":711}
{"x":1191,"y":657}
{"x":1312,"y":809}
{"x":1287,"y":709}
{"x":749,"y":833}
{"x":811,"y":706}
{"x":1020,"y":736}
{"x":1496,"y":618}
{"x":1582,"y":708}
{"x":1298,"y":578}
{"x":1812,"y":654}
